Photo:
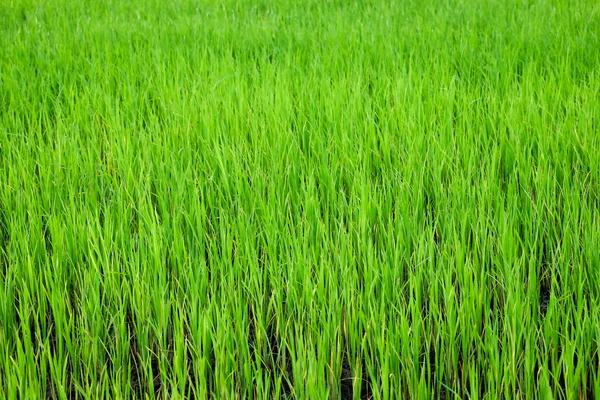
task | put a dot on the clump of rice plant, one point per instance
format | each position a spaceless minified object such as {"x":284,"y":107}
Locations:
{"x":323,"y":199}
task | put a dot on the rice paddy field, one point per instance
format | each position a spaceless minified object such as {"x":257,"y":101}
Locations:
{"x":304,"y":200}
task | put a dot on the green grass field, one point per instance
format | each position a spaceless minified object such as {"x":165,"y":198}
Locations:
{"x":316,"y":199}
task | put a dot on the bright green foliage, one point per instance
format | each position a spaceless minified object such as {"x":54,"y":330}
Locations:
{"x":300,"y":199}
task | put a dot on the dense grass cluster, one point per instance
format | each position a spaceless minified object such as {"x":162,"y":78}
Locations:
{"x":313,"y":199}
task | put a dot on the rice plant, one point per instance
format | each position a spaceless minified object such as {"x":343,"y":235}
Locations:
{"x":330,"y":199}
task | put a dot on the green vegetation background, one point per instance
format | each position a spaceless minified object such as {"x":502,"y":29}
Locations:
{"x":316,"y":199}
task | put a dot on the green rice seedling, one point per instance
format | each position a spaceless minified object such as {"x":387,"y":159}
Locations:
{"x":346,"y":200}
